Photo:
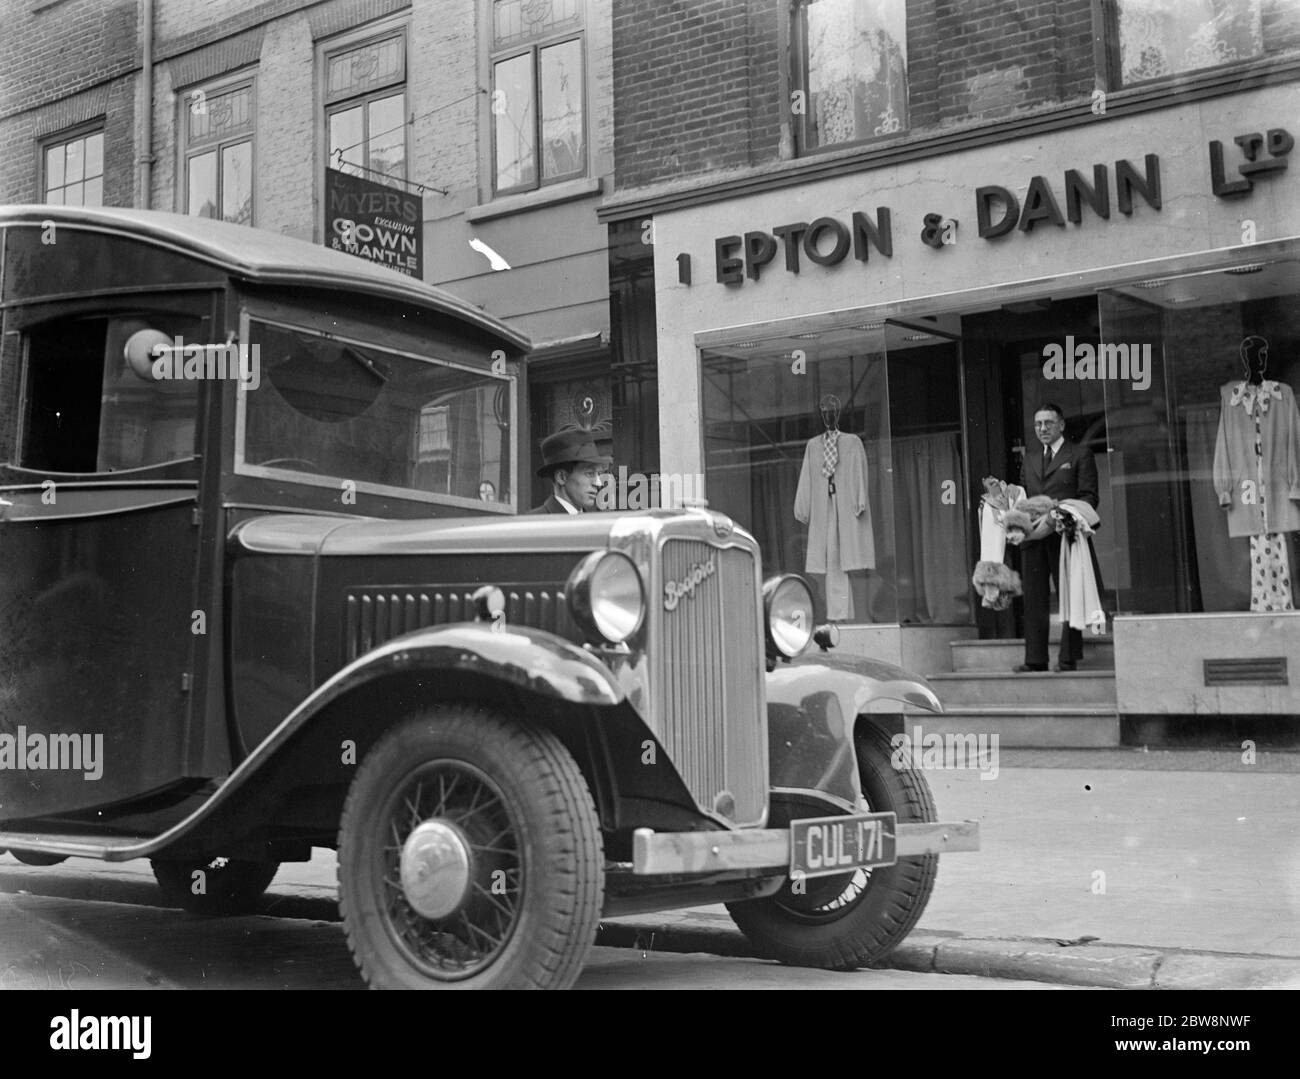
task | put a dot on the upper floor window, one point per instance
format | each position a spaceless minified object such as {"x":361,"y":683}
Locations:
{"x":365,"y":107}
{"x":538,"y":93}
{"x":1167,"y":37}
{"x":218,"y":129}
{"x":850,"y":70}
{"x":73,"y":170}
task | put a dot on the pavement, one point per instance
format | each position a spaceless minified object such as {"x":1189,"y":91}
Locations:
{"x":1126,"y":869}
{"x":1121,"y":868}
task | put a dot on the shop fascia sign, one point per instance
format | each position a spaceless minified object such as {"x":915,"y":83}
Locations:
{"x":827,"y":241}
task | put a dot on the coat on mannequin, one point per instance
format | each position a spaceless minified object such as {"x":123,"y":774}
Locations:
{"x":832,"y":500}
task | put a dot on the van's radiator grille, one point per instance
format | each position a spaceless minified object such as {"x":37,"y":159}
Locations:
{"x":711,"y":675}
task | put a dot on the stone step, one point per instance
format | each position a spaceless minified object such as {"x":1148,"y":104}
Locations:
{"x":986,"y":689}
{"x":1002,"y":655}
{"x":1024,"y":727}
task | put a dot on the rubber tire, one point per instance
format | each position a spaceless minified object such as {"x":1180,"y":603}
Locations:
{"x":563,"y":880}
{"x":31,"y":857}
{"x":893,"y":900}
{"x":231,"y":889}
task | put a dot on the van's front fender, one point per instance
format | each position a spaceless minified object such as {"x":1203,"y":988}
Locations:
{"x":813,"y":704}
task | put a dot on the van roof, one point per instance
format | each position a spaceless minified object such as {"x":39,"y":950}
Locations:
{"x":264,"y":257}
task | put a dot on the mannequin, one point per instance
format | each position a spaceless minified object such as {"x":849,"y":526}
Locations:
{"x":832,"y":500}
{"x":1257,"y":472}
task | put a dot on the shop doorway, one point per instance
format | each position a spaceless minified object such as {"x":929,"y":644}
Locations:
{"x":1005,"y":354}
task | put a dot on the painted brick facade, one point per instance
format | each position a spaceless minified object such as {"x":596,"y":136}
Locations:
{"x":76,"y":61}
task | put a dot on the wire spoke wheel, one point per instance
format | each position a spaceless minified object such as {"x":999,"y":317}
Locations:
{"x":462,"y":797}
{"x":470,"y":856}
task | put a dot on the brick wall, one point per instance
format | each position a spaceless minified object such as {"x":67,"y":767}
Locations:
{"x":699,"y":85}
{"x":998,"y":57}
{"x":696,"y":86}
{"x":64,"y":65}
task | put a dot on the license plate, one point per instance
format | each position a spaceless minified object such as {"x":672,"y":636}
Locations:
{"x":826,"y":845}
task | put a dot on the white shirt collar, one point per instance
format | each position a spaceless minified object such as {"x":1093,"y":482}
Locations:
{"x":1056,"y":446}
{"x":569,"y":507}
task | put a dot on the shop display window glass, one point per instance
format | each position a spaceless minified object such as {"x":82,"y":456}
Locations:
{"x":1207,"y":504}
{"x":851,"y":67}
{"x":894,"y":546}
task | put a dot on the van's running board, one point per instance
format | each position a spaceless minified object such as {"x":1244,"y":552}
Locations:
{"x":107,"y":848}
{"x":769,"y":848}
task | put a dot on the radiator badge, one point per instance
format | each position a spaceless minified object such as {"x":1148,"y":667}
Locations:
{"x":675,"y":590}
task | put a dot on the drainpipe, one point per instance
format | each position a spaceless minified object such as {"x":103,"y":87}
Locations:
{"x":145,"y":160}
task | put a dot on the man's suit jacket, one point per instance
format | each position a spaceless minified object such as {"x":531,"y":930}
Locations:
{"x":551,"y":505}
{"x":1072,"y":473}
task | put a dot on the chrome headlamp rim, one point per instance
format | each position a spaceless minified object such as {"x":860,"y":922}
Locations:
{"x":773,"y":587}
{"x":583,"y":601}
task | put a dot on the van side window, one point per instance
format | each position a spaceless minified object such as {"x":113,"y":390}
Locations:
{"x":87,"y":410}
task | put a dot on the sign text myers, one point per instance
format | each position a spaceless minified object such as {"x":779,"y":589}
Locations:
{"x":373,"y":221}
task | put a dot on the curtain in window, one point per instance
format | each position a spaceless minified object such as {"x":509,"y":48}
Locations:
{"x":1163,"y":37}
{"x":857,"y":68}
{"x":933,"y":575}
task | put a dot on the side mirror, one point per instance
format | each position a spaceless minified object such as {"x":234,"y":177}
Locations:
{"x":142,"y":349}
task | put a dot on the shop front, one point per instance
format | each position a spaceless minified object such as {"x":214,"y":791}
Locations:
{"x":846,"y":360}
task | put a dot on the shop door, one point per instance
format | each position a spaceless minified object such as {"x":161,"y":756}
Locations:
{"x":1006,"y":351}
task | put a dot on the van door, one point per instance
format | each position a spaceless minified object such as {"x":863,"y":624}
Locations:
{"x":98,"y":555}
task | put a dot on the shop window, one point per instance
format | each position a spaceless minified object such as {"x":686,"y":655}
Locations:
{"x":538,"y":107}
{"x":73,"y":170}
{"x":217,"y":126}
{"x":365,"y":108}
{"x":1207,"y":508}
{"x":87,"y":410}
{"x":850,"y":70}
{"x":841,"y":451}
{"x":1156,"y":38}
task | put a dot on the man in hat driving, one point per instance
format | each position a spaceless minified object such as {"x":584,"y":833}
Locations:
{"x":574,"y":464}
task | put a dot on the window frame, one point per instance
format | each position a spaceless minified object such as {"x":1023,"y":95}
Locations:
{"x":798,"y":70}
{"x":1106,"y":17}
{"x":354,"y":335}
{"x":331,"y":106}
{"x":533,"y":47}
{"x":64,"y":138}
{"x":187,"y":151}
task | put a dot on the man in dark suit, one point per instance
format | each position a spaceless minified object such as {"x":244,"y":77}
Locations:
{"x":1059,"y":469}
{"x":574,"y":464}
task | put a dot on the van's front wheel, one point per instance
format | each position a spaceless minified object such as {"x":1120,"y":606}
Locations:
{"x":470,"y":856}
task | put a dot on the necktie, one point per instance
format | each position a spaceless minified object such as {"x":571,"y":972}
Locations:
{"x":830,"y":458}
{"x":1047,"y":458}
